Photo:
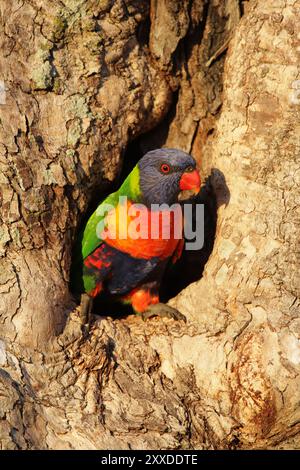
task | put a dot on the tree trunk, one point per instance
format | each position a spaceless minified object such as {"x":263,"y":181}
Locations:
{"x":83,"y":79}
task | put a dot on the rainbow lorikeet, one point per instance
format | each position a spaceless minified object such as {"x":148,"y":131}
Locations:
{"x":109,"y":258}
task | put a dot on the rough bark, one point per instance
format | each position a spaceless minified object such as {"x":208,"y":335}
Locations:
{"x":84,"y":78}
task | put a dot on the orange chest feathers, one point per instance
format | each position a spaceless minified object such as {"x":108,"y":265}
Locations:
{"x":134,"y":229}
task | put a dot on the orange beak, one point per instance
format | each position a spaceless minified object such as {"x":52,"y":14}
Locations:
{"x":190,"y":181}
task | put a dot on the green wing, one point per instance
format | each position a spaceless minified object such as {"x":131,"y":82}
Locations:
{"x":89,"y":238}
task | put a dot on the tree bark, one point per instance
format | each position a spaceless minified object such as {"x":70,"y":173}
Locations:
{"x":83,"y":79}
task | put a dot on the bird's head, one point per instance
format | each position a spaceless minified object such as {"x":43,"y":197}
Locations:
{"x":165,"y":173}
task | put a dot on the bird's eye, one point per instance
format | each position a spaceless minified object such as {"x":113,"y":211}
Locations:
{"x":189,"y":169}
{"x":165,"y":168}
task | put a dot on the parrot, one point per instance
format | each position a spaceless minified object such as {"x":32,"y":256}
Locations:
{"x":109,"y":259}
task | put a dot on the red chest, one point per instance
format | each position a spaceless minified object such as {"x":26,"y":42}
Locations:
{"x":142,"y":233}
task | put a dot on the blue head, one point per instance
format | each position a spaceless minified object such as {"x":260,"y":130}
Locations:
{"x":164,"y":173}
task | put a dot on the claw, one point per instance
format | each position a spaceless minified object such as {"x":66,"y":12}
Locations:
{"x":162,"y":310}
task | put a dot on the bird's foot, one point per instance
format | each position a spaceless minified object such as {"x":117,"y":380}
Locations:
{"x":86,"y":306}
{"x":162,"y":310}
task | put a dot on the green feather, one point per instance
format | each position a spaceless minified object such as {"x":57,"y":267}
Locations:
{"x":89,"y":282}
{"x":89,"y":240}
{"x":130,"y":188}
